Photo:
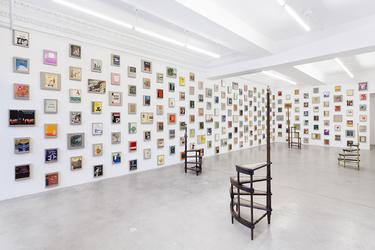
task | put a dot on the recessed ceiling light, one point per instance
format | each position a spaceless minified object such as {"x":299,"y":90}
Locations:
{"x":294,"y":14}
{"x":268,"y":73}
{"x":140,"y":30}
{"x":339,"y":62}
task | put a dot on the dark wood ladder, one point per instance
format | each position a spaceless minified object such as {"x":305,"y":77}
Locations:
{"x":193,"y":158}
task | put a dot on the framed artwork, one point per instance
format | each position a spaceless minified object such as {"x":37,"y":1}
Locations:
{"x":50,"y":57}
{"x":191,"y":77}
{"x":200,"y":85}
{"x":51,"y":155}
{"x":97,"y":149}
{"x":75,"y":163}
{"x":363,"y":97}
{"x":50,"y":81}
{"x":316,"y":90}
{"x":363,"y":86}
{"x":147,"y":153}
{"x":96,"y":107}
{"x":22,"y":172}
{"x":171,"y":87}
{"x":146,"y":100}
{"x":147,"y":117}
{"x":116,"y":137}
{"x":75,"y":73}
{"x":146,"y":83}
{"x":159,"y":109}
{"x":116,"y":158}
{"x":21,"y":91}
{"x":160,"y":143}
{"x":338,"y":88}
{"x":172,"y":150}
{"x":50,"y":130}
{"x":161,"y":160}
{"x":349,"y":133}
{"x":132,"y":127}
{"x":171,"y":72}
{"x":172,"y":118}
{"x":75,"y":118}
{"x":363,"y":128}
{"x":115,"y":60}
{"x":159,"y":77}
{"x":172,"y":134}
{"x":132,"y":165}
{"x":115,"y":78}
{"x":147,"y":135}
{"x":96,"y":86}
{"x":363,"y":118}
{"x":171,"y":102}
{"x":52,"y":179}
{"x":21,"y":65}
{"x":22,"y":145}
{"x":362,"y":139}
{"x":116,"y":117}
{"x":96,"y":65}
{"x":159,"y":93}
{"x":76,"y":140}
{"x":21,"y":117}
{"x":115,"y":98}
{"x":350,"y":92}
{"x":192,"y":90}
{"x":98,"y":171}
{"x":315,"y":100}
{"x":50,"y":106}
{"x":132,"y":108}
{"x":337,"y":98}
{"x":201,"y":139}
{"x":182,"y":96}
{"x":132,"y":146}
{"x":75,"y":95}
{"x":146,"y":66}
{"x":182,"y":110}
{"x":362,"y":107}
{"x":75,"y":51}
{"x":132,"y":90}
{"x":160,"y":126}
{"x":97,"y":128}
{"x":181,"y":81}
{"x":132,"y":72}
{"x":21,"y":38}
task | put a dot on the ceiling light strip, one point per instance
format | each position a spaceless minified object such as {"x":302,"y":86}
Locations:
{"x":94,"y":13}
{"x":294,"y":14}
{"x":140,"y":30}
{"x":342,"y":65}
{"x":268,"y":73}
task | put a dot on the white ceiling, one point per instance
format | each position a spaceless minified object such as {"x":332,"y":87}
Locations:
{"x":241,"y":30}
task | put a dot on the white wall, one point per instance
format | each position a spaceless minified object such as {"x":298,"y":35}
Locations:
{"x":331,"y":137}
{"x":9,"y":188}
{"x":372,"y":119}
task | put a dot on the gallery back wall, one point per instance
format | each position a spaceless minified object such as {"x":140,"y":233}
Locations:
{"x":220,"y":116}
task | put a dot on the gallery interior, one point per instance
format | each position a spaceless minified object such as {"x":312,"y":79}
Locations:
{"x":186,"y":124}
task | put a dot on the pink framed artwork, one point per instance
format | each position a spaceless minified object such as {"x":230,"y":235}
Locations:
{"x":50,"y":57}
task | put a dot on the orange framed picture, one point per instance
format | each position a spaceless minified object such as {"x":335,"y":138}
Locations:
{"x":172,"y":118}
{"x":50,"y":130}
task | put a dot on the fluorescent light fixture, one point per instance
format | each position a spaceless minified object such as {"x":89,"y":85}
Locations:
{"x":129,"y":26}
{"x":93,"y":13}
{"x":294,"y":14}
{"x":175,"y":42}
{"x":160,"y":37}
{"x":202,"y":51}
{"x":268,"y":73}
{"x":339,"y":62}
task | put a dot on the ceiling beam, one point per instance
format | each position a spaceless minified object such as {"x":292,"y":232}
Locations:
{"x":354,"y":41}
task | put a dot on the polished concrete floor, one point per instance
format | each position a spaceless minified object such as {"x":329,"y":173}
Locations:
{"x":317,"y":205}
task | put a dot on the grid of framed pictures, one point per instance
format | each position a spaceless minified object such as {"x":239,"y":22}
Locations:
{"x":334,"y":115}
{"x":221,"y":116}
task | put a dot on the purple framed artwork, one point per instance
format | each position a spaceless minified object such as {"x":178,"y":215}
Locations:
{"x":362,"y":86}
{"x":50,"y":57}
